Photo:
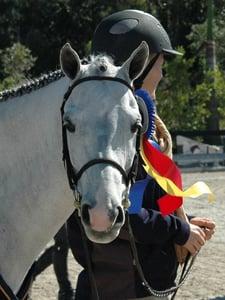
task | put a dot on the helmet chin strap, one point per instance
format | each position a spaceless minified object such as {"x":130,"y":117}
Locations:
{"x":139,"y":81}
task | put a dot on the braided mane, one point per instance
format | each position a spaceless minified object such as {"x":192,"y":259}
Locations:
{"x":31,"y":85}
{"x":44,"y":80}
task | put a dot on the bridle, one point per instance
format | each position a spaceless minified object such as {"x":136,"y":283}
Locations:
{"x":73,"y":175}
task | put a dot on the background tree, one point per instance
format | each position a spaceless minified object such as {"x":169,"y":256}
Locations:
{"x":190,"y":109}
{"x":16,"y":62}
{"x":44,"y":26}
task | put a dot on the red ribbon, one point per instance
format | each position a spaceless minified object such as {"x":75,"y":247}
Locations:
{"x":165,"y":167}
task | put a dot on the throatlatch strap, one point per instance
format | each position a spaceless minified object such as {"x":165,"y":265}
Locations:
{"x":7,"y":294}
{"x":26,"y":285}
{"x":5,"y":291}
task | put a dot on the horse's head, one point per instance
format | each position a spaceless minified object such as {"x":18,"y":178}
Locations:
{"x":102,"y":118}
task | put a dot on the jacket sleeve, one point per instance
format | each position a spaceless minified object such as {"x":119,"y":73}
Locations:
{"x":158,"y":229}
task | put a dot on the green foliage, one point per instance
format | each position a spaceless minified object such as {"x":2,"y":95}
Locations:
{"x":184,"y":107}
{"x":16,"y":63}
{"x":9,"y":22}
{"x":174,"y":93}
{"x":178,"y":16}
{"x":220,"y":95}
{"x":44,"y":26}
{"x":198,"y":37}
{"x":188,"y":87}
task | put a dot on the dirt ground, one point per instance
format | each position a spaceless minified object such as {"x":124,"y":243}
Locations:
{"x":207,"y":278}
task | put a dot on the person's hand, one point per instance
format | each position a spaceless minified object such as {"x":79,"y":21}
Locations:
{"x":196,"y":239}
{"x":206,"y":224}
{"x":144,"y":214}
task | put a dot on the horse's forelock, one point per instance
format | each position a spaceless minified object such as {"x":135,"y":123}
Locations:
{"x":100,"y":63}
{"x":97,"y":59}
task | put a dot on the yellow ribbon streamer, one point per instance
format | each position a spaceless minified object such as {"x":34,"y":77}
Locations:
{"x":197,"y":189}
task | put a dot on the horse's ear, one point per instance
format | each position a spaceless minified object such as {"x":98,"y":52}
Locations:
{"x":136,"y":63}
{"x":69,"y":61}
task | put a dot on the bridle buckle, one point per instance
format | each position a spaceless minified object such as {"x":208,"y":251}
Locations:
{"x":126,"y":200}
{"x":77,"y":198}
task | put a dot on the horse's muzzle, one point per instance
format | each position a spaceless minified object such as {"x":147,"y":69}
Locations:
{"x":102,"y":225}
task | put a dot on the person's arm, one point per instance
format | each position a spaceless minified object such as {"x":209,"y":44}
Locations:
{"x":157,"y":229}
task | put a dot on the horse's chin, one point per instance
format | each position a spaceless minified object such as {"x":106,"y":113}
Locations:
{"x":103,"y":237}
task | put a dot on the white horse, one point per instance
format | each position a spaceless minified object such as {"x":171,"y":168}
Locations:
{"x":102,"y":118}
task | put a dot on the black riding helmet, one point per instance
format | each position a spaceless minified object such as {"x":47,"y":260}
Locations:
{"x":119,"y":34}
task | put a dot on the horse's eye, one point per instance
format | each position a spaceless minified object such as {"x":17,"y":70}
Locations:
{"x":69,"y":125}
{"x":136,"y":126}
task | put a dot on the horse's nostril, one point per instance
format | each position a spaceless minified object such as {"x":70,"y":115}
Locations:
{"x":120,"y":216}
{"x":101,"y":220}
{"x":85,"y":214}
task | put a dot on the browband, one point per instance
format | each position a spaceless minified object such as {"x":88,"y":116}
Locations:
{"x":89,"y":78}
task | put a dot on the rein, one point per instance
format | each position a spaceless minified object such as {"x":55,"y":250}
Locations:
{"x":73,"y":175}
{"x":6,"y":292}
{"x":173,"y":290}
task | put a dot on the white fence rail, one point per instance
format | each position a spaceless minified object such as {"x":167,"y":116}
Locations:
{"x":214,"y":161}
